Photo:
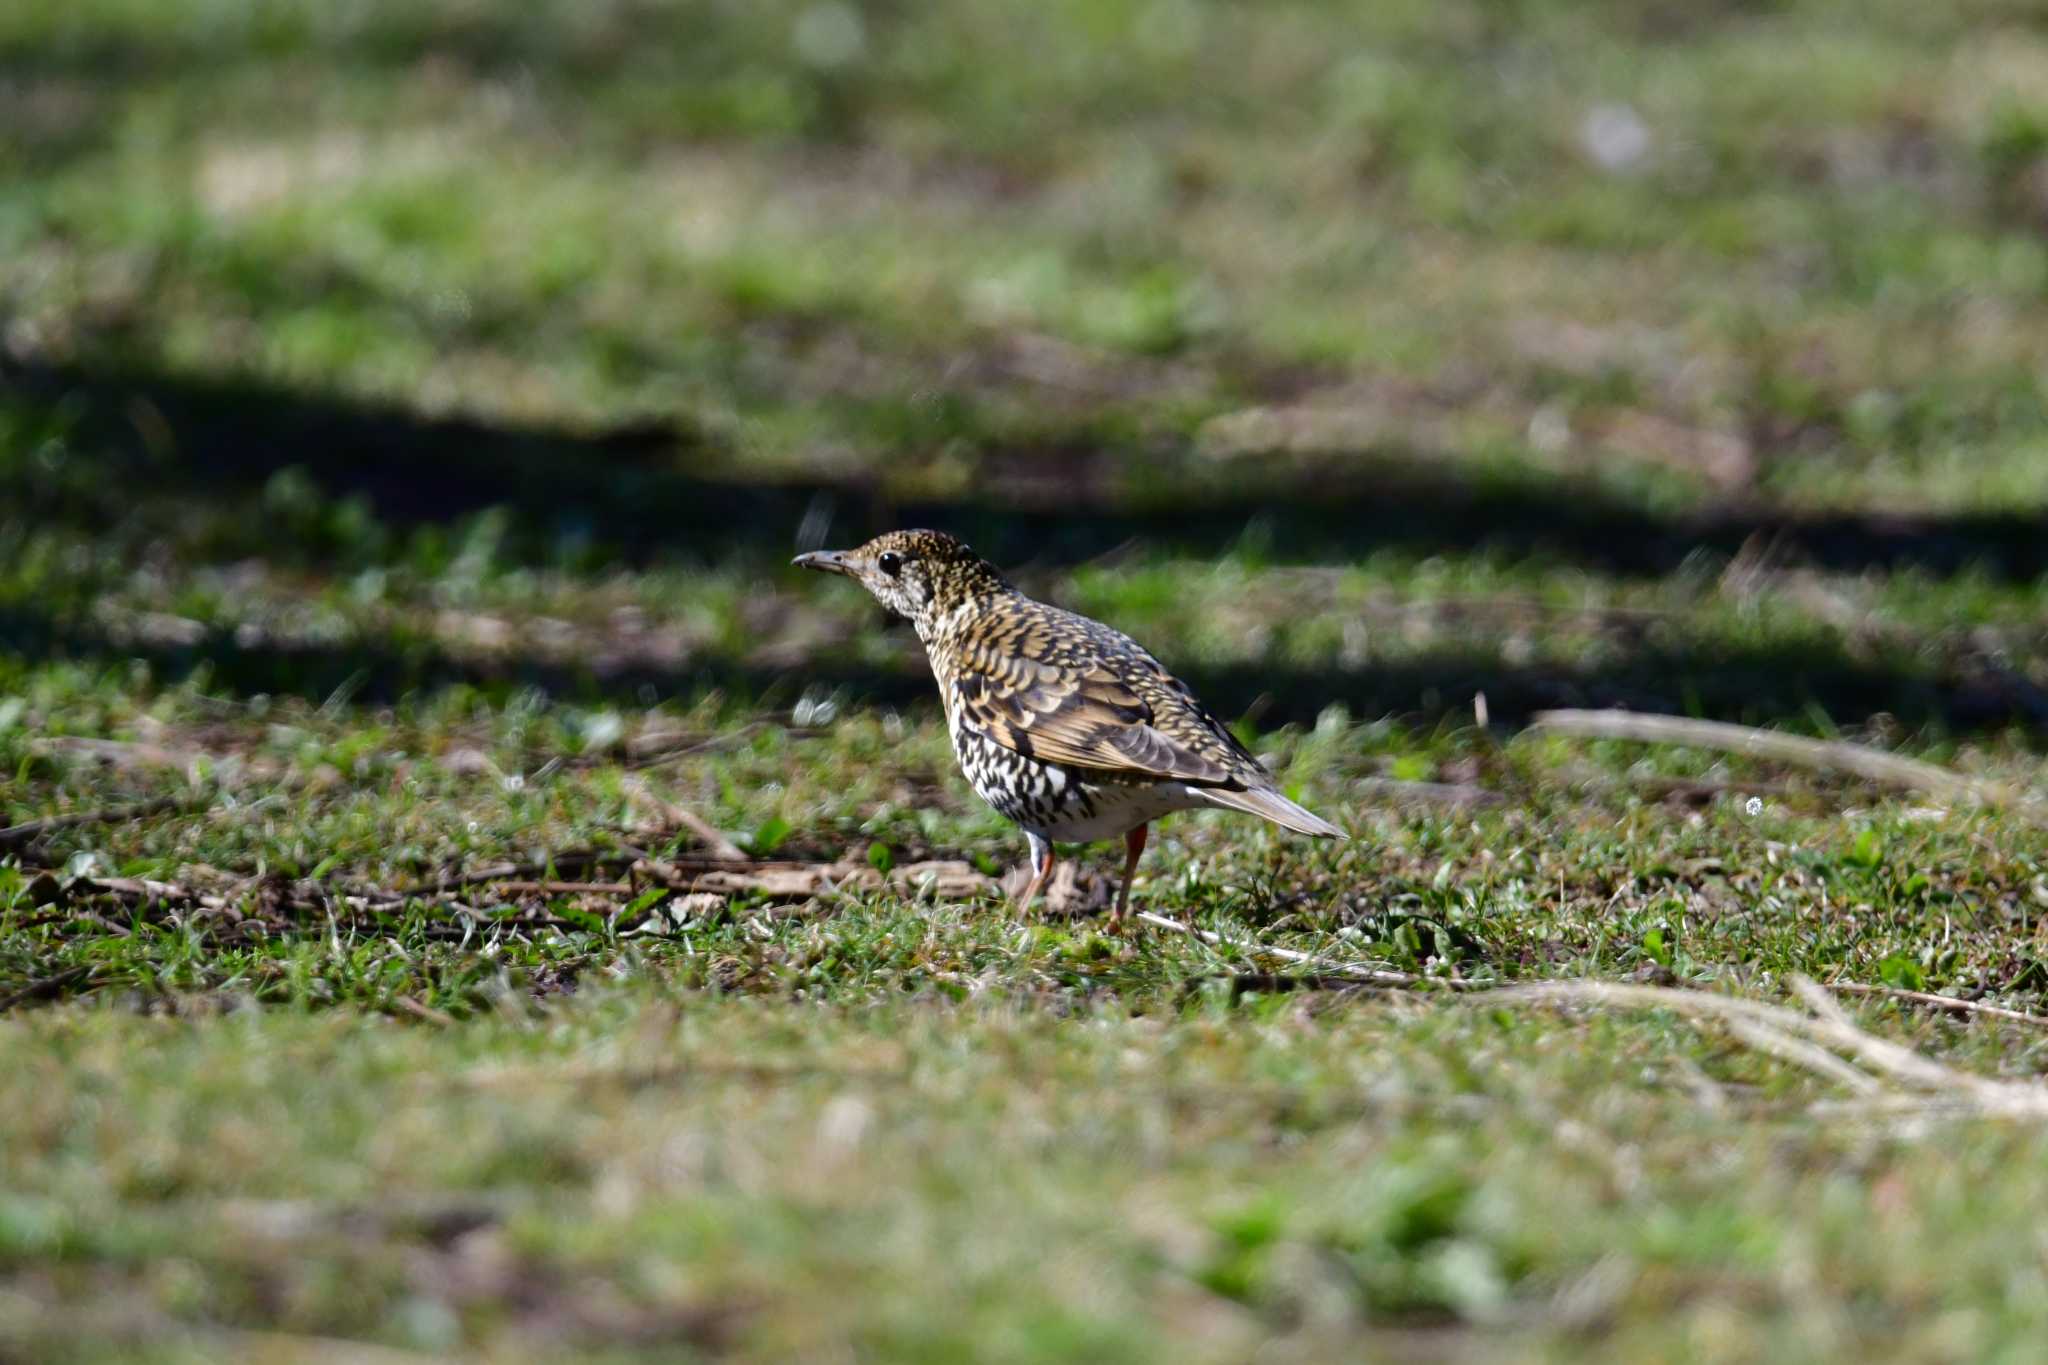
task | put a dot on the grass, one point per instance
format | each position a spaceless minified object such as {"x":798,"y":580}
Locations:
{"x":407,"y":413}
{"x":647,"y":1168}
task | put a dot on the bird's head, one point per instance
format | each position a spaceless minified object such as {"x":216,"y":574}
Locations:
{"x":918,"y":574}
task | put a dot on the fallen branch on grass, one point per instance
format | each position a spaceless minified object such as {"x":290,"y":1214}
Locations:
{"x":1356,"y":971}
{"x":939,"y":879}
{"x":551,"y":888}
{"x":30,"y":830}
{"x":1943,"y":1002}
{"x":1283,"y":983}
{"x":647,"y":755}
{"x":680,"y":816}
{"x":423,"y":1012}
{"x":1872,"y":765}
{"x":133,"y":889}
{"x":1887,"y":1077}
{"x":1812,"y":1041}
{"x":498,"y":872}
{"x":48,"y":985}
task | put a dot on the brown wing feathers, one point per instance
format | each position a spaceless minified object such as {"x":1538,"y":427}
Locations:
{"x":1048,"y":688}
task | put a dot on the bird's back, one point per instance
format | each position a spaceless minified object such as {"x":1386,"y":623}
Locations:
{"x":1042,"y":672}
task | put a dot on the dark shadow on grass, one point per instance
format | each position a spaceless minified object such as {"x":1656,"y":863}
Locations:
{"x":1755,"y":685}
{"x":651,"y":492}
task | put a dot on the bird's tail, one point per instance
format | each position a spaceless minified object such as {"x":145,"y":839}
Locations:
{"x":1271,"y":805}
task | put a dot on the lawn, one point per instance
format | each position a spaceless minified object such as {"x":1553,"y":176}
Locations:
{"x":463,"y":894}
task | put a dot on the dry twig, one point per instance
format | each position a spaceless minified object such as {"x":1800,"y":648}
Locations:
{"x":1817,"y":1040}
{"x":681,"y":816}
{"x":525,"y":888}
{"x":1944,"y":1002}
{"x":498,"y":872}
{"x":46,"y":986}
{"x":424,"y":1012}
{"x":30,"y":830}
{"x":1873,"y":765}
{"x":1374,"y":976}
{"x":942,"y":880}
{"x":656,"y":758}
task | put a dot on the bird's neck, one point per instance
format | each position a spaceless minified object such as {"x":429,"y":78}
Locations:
{"x":943,"y":621}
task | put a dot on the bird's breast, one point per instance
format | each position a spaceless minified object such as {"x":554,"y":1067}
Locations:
{"x":1062,"y":803}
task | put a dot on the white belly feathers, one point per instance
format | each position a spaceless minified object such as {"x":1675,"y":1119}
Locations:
{"x":1049,"y":799}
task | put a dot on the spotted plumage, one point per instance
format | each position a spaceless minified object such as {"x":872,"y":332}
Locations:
{"x":1063,"y":725}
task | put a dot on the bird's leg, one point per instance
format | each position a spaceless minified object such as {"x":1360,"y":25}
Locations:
{"x":1041,"y":868}
{"x":1134,"y":845}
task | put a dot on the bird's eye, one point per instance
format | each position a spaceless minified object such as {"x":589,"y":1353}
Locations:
{"x":890,"y":563}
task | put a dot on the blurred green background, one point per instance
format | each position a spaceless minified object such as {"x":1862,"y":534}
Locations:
{"x":408,"y":411}
{"x":321,"y":317}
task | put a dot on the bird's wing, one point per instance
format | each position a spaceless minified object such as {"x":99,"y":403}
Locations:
{"x":1065,"y":690}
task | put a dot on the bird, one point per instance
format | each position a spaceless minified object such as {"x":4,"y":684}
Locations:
{"x":1067,"y":727}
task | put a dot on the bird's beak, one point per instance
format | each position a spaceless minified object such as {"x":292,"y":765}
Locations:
{"x":830,"y":561}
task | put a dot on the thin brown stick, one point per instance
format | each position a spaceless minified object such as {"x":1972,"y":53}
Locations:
{"x":135,"y":889}
{"x":1281,"y":982}
{"x":1377,"y":976}
{"x":730,"y":737}
{"x":1937,"y":1089}
{"x":1872,"y":765}
{"x":1943,"y":1002}
{"x":1800,"y":1052}
{"x":707,"y":833}
{"x":497,"y":872}
{"x":46,"y":986}
{"x":423,"y":1012}
{"x":942,"y":880}
{"x":1831,"y":1025}
{"x":29,"y":830}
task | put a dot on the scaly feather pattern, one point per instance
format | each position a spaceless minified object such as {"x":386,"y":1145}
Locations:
{"x":1061,"y":688}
